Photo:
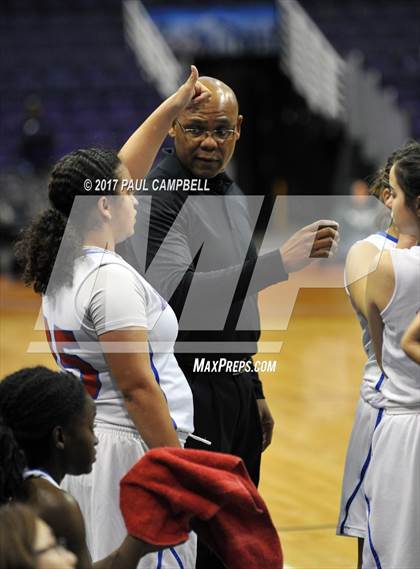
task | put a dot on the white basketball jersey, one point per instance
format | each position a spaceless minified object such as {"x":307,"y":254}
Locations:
{"x":108,"y":294}
{"x":402,"y":388}
{"x":373,"y":377}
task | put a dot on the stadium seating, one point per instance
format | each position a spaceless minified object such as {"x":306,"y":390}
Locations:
{"x":386,"y":32}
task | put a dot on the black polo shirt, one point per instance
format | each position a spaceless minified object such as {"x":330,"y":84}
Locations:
{"x":174,"y":226}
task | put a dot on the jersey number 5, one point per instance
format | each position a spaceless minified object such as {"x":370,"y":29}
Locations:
{"x":66,"y":339}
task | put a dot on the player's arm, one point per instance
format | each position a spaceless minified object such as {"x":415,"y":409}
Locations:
{"x":359,"y":263}
{"x":171,"y":266}
{"x":140,"y":150}
{"x":172,"y":261}
{"x":118,"y":303}
{"x":127,"y":556}
{"x":410,"y":342}
{"x":62,"y":513}
{"x":143,"y":398}
{"x":379,"y":288}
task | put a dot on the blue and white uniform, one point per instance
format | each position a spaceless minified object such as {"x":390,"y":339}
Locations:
{"x":353,"y":518}
{"x":108,"y":294}
{"x":392,"y":480}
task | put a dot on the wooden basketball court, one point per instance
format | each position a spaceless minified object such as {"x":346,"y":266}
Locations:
{"x":312,"y":396}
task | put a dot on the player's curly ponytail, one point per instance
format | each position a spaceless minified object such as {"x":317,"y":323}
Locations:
{"x":38,"y":246}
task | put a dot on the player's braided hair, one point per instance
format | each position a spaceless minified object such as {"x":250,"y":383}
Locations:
{"x":32,"y":402}
{"x":407,"y":172}
{"x":380,"y":180}
{"x":38,"y":245}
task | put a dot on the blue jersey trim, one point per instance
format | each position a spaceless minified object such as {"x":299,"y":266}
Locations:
{"x":156,"y":374}
{"x":159,"y":560}
{"x":387,"y":236}
{"x":177,"y":557}
{"x":380,"y":382}
{"x":373,"y":550}
{"x":152,"y":365}
{"x":96,"y":251}
{"x":362,"y":476}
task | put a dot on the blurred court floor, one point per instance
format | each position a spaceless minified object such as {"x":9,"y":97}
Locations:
{"x":312,"y":396}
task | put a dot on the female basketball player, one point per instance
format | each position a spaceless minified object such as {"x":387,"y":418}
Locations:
{"x":106,"y":324}
{"x":46,"y":431}
{"x":26,"y":542}
{"x":392,"y":299}
{"x":352,"y":518}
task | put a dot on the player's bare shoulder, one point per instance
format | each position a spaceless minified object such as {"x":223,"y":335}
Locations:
{"x":381,"y":268}
{"x":55,"y":506}
{"x":359,"y":260}
{"x":381,"y":281}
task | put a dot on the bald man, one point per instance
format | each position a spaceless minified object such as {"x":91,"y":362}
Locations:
{"x":199,"y":255}
{"x":205,"y":156}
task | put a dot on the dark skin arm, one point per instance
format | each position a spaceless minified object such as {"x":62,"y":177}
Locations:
{"x":267,"y":422}
{"x":62,"y":513}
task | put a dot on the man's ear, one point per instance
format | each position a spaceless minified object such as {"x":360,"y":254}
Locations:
{"x":387,"y":197}
{"x":417,"y":206}
{"x":238,"y":126}
{"x":172,"y":130}
{"x":58,"y":437}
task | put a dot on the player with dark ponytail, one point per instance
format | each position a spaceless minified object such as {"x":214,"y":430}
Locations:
{"x":353,"y":515}
{"x":77,"y":173}
{"x":46,"y":432}
{"x":91,"y":300}
{"x":391,"y":487}
{"x":39,"y":244}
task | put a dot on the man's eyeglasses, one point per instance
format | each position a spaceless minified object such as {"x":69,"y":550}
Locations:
{"x":218,"y":134}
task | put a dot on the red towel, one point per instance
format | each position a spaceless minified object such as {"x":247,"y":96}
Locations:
{"x":171,"y":491}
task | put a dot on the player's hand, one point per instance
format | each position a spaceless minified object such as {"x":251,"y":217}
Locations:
{"x":267,"y":423}
{"x":192,"y":92}
{"x":318,"y":240}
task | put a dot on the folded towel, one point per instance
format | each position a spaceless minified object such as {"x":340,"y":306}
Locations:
{"x":171,"y":491}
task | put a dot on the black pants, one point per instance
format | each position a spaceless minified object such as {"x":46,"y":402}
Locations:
{"x":225,"y":413}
